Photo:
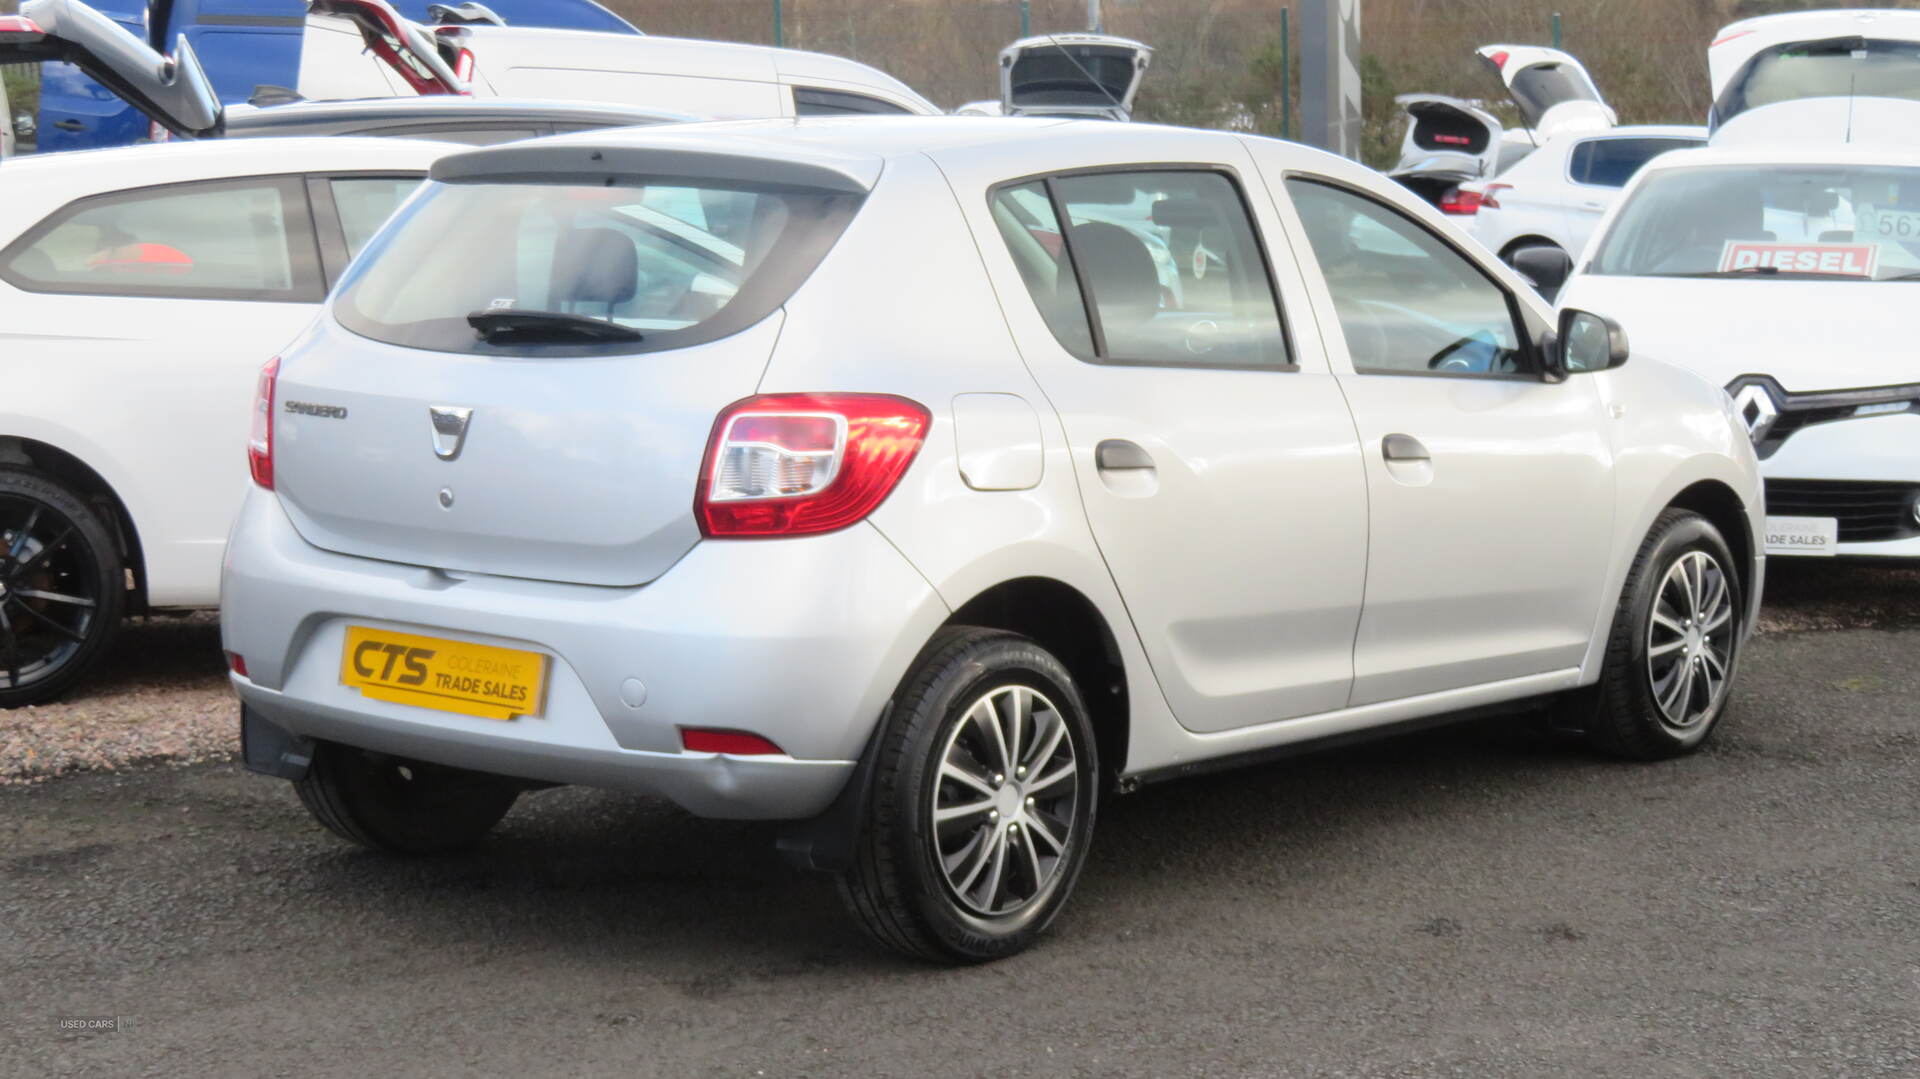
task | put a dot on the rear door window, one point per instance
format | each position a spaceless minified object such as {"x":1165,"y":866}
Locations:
{"x":1612,"y":162}
{"x":808,"y":101}
{"x":365,"y":202}
{"x":1157,"y":267}
{"x":230,"y":240}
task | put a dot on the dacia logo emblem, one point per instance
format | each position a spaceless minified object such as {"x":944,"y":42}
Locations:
{"x":449,"y":429}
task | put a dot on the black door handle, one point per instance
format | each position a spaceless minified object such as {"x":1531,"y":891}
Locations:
{"x":70,"y":125}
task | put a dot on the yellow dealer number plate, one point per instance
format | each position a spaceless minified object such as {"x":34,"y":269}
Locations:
{"x":452,"y":676}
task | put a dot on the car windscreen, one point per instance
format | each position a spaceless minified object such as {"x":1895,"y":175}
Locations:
{"x":676,"y":263}
{"x":1837,"y":67}
{"x":1851,"y":223}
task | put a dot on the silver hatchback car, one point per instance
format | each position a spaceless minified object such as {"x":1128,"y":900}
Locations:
{"x":920,"y":482}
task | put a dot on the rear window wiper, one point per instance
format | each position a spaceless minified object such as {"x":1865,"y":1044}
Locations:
{"x":495,"y":326}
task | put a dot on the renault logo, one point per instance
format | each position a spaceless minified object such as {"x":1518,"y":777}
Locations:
{"x":1756,"y":409}
{"x":449,"y":430}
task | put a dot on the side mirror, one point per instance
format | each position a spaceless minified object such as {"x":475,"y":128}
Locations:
{"x":1585,"y":342}
{"x":1546,"y":268}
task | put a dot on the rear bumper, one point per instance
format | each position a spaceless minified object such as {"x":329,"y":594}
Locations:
{"x":801,"y":641}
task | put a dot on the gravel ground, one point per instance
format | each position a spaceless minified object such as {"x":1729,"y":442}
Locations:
{"x":161,"y":696}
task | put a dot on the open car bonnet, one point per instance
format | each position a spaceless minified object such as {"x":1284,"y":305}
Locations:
{"x":1447,"y":138}
{"x":1072,"y":75}
{"x":171,"y":91}
{"x":1553,"y":92}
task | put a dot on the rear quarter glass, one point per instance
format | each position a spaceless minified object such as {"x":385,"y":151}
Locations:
{"x":679,"y":261}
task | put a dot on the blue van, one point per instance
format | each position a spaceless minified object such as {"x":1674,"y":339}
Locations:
{"x":243,"y":44}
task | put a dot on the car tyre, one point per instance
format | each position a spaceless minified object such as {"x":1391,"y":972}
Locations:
{"x":1674,"y":644}
{"x":62,"y":587}
{"x":968,"y":850}
{"x":402,"y":806}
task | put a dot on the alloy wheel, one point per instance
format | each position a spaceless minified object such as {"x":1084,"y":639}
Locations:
{"x":49,"y":597}
{"x":1003,"y":808}
{"x":1690,"y":636}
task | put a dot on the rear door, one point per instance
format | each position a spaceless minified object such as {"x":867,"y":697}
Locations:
{"x":172,"y":296}
{"x":1216,"y":461}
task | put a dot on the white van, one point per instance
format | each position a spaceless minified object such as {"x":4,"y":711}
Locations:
{"x":362,"y":48}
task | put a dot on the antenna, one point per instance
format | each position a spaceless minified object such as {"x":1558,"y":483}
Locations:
{"x":1850,"y":81}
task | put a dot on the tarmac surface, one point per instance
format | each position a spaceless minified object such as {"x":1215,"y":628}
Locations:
{"x":1480,"y":900}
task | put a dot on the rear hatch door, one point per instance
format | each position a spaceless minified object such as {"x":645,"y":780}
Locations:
{"x":394,"y":56}
{"x":1551,"y":89}
{"x":646,"y":289}
{"x":172,"y":91}
{"x":1066,"y":73}
{"x":1447,"y":138}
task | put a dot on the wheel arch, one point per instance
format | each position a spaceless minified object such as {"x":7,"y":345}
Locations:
{"x":20,"y":451}
{"x":1719,"y":504}
{"x":1064,"y":621}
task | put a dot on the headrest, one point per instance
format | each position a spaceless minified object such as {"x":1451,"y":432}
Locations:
{"x":595,"y":265}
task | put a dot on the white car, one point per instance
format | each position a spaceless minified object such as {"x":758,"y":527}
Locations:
{"x":1552,"y":201}
{"x":140,"y":290}
{"x":1783,"y":274}
{"x":923,"y":562}
{"x":363,"y":48}
{"x":1832,"y":75}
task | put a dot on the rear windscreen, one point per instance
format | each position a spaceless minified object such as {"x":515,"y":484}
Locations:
{"x":1072,"y":75}
{"x":1443,"y":130}
{"x":679,"y":262}
{"x":1839,"y":67}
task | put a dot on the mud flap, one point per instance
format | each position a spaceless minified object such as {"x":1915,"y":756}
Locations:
{"x":272,"y":750}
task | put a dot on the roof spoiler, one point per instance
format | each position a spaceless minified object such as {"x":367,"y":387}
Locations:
{"x":606,"y":165}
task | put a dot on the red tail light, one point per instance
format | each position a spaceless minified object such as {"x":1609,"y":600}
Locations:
{"x":1499,"y":59}
{"x":1489,"y":195}
{"x":260,"y":438}
{"x":1461,"y":202}
{"x":805,"y":463}
{"x":237,"y":663}
{"x":20,"y":24}
{"x":738,"y":743}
